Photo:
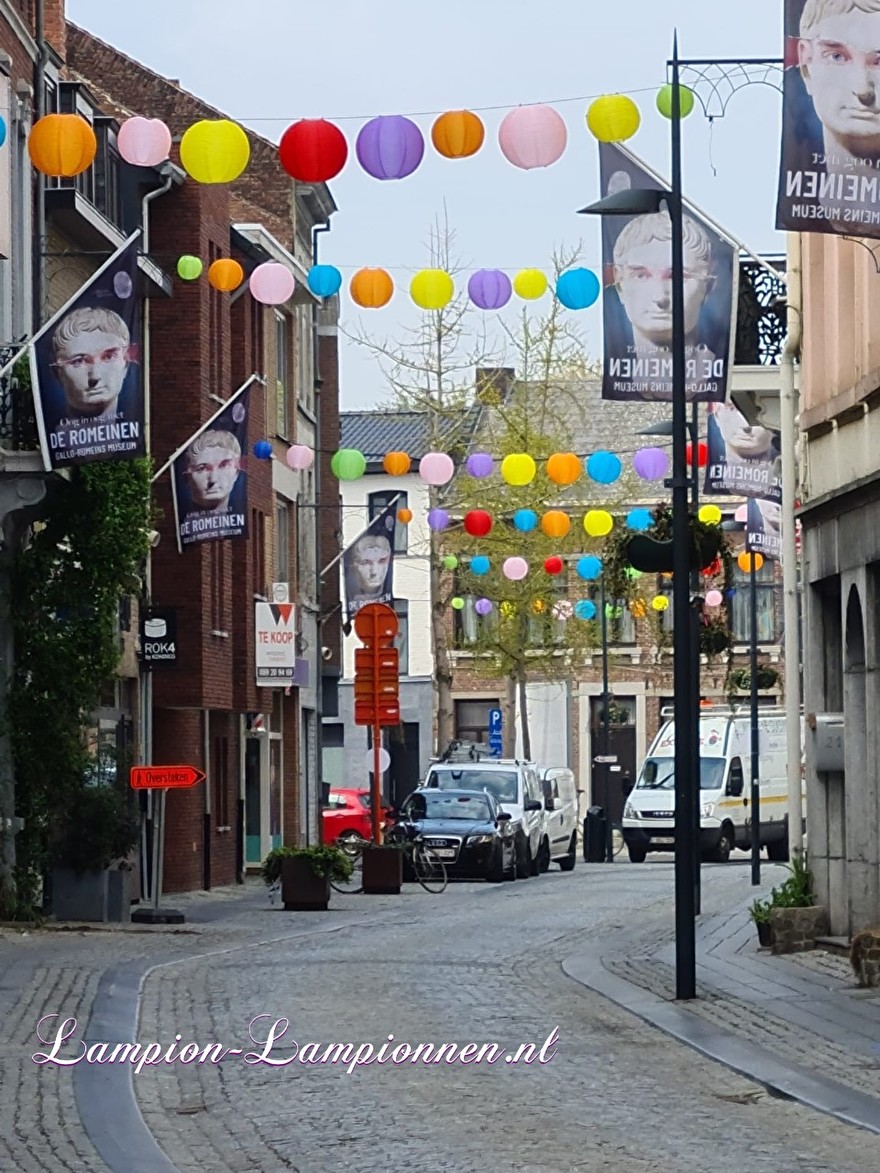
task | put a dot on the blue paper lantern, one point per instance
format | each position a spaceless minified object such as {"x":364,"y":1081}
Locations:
{"x":324,"y":280}
{"x":263,"y":450}
{"x":585,"y":609}
{"x":525,"y":520}
{"x":589,"y":567}
{"x":639,"y":520}
{"x":578,"y":289}
{"x":480,"y":564}
{"x":2,"y":132}
{"x":603,"y":468}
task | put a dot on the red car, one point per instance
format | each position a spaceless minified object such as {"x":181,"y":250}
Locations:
{"x":347,"y":816}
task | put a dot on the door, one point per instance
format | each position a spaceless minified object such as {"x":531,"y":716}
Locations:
{"x":403,"y":773}
{"x":253,"y":819}
{"x":606,"y":777}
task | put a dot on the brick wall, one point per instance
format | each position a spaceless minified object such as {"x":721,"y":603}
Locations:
{"x":329,"y":514}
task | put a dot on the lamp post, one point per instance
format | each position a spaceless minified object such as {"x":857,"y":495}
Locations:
{"x":606,"y":731}
{"x":629,"y":203}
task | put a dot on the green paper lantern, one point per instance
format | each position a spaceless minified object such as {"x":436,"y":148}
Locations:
{"x":685,"y":98}
{"x":458,"y":603}
{"x":189,"y":268}
{"x":632,"y":574}
{"x":450,"y":562}
{"x":348,"y":464}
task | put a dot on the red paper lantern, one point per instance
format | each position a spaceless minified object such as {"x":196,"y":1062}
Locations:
{"x":554,"y":564}
{"x":702,"y":454}
{"x":477,"y":523}
{"x":313,"y":150}
{"x":713,"y":569}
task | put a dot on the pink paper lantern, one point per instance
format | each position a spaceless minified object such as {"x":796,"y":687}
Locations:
{"x":532,"y":136}
{"x":515,"y":569}
{"x":271,"y":284}
{"x":742,"y":515}
{"x":299,"y":457}
{"x":651,"y":464}
{"x":714,"y":598}
{"x":144,"y":142}
{"x":436,"y":468}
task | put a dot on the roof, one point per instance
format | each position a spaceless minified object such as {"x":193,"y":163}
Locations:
{"x":376,"y":432}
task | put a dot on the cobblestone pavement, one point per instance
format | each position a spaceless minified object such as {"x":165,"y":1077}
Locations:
{"x":477,"y":964}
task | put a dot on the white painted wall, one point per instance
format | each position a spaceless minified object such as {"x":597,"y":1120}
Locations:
{"x":547,"y":706}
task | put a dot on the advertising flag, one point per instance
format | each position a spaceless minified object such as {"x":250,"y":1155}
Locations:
{"x":743,"y":460}
{"x":86,"y":370}
{"x":829,"y":172}
{"x":368,"y":564}
{"x":208,"y":478}
{"x":764,"y":528}
{"x":637,"y":301}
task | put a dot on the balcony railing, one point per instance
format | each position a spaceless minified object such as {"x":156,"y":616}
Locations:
{"x":761,"y":314}
{"x":100,"y":183}
{"x":18,"y":422}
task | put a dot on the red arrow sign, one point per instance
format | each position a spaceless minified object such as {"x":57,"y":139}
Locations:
{"x":164,"y":777}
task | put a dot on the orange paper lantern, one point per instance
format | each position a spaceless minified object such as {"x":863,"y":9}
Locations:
{"x":371,"y":288}
{"x":563,"y":468}
{"x":396,"y":464}
{"x":404,"y":516}
{"x":555,"y":524}
{"x":457,"y":134}
{"x":62,"y":145}
{"x":744,"y":561}
{"x":226,"y":275}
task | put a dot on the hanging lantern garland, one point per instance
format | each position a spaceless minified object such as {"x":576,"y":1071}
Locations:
{"x":324,"y":280}
{"x":62,"y":145}
{"x":214,"y":151}
{"x":271,"y":284}
{"x":144,"y":142}
{"x":532,"y":136}
{"x":225,"y":275}
{"x":390,"y":147}
{"x":371,"y":288}
{"x":432,"y":289}
{"x":458,"y":134}
{"x":313,"y":150}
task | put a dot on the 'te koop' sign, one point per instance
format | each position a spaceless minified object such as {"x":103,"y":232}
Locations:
{"x":275,"y":645}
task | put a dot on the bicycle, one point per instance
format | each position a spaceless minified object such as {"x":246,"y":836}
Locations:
{"x":427,"y":867}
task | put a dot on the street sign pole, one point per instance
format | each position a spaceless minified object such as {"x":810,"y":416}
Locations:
{"x":157,"y":781}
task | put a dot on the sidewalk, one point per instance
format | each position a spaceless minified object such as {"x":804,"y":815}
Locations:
{"x":797,"y":1024}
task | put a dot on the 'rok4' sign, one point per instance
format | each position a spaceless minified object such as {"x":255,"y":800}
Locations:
{"x":275,"y":645}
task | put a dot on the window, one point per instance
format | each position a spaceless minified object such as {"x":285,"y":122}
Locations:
{"x":305,"y":378}
{"x":218,"y":585}
{"x":621,"y":625}
{"x":257,"y":357}
{"x":282,"y":542}
{"x":472,"y":719}
{"x":258,"y":551}
{"x":378,"y":503}
{"x":469,"y":627}
{"x":282,"y":373}
{"x":219,"y":772}
{"x":401,"y":640}
{"x":765,"y":593}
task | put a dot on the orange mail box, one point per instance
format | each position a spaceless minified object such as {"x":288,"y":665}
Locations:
{"x":369,"y":712}
{"x":365,"y":686}
{"x":388,"y":660}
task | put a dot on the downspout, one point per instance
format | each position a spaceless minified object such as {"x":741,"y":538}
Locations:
{"x":319,"y":658}
{"x":39,"y":232}
{"x":788,"y":404}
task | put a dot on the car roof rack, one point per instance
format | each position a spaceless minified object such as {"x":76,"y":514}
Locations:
{"x":743,"y":710}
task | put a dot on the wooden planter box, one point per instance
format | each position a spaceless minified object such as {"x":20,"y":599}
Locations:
{"x":301,"y":889}
{"x":383,"y":870}
{"x":794,"y":930}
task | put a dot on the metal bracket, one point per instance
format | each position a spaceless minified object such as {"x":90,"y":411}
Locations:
{"x":714,"y":83}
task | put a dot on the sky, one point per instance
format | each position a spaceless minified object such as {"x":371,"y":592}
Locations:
{"x":267,"y":63}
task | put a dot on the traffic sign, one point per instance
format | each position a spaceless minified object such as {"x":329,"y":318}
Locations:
{"x":496,"y":719}
{"x":165,"y":777}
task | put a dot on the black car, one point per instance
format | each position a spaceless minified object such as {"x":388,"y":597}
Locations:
{"x":465,"y":828}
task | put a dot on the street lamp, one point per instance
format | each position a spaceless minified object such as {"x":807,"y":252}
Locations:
{"x":632,"y":203}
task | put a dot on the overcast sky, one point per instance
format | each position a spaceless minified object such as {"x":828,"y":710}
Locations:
{"x":270,"y":62}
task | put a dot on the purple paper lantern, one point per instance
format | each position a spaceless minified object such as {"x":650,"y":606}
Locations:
{"x":438,"y":519}
{"x":390,"y":147}
{"x":489,"y":289}
{"x":483,"y":607}
{"x":480,"y":464}
{"x":651,"y":464}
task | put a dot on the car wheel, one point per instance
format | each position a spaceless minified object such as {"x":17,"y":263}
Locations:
{"x":637,"y":854}
{"x":349,"y":842}
{"x":544,"y":856}
{"x":566,"y":864}
{"x":721,"y":851}
{"x":510,"y":870}
{"x":523,"y":860}
{"x":496,"y":873}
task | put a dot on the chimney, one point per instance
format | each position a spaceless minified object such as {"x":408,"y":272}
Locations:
{"x":55,"y":26}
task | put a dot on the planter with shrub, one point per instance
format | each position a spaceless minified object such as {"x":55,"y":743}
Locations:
{"x":305,"y":874}
{"x":101,"y":829}
{"x":789,"y":921}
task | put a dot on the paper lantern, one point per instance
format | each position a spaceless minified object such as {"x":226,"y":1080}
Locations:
{"x":613,"y":118}
{"x":371,"y":288}
{"x":225,"y":274}
{"x":507,"y":609}
{"x":458,"y":134}
{"x":563,"y":468}
{"x":404,"y":516}
{"x":554,"y":564}
{"x":489,"y":289}
{"x":598,"y":523}
{"x":539,"y":606}
{"x":396,"y":464}
{"x":702,"y":454}
{"x":348,"y":464}
{"x":603,"y":468}
{"x":432,"y":289}
{"x":651,"y":464}
{"x":714,"y":598}
{"x":714,"y":568}
{"x":299,"y":457}
{"x":577,"y":289}
{"x":525,"y":520}
{"x":530,"y":284}
{"x":271,"y":284}
{"x":562,"y":610}
{"x":584,"y":609}
{"x":450,"y":562}
{"x":2,"y":132}
{"x":639,"y":520}
{"x":742,"y":515}
{"x":214,"y":150}
{"x":458,"y":603}
{"x":390,"y":147}
{"x":62,"y":145}
{"x":685,"y":100}
{"x":324,"y":280}
{"x":483,"y":607}
{"x":632,"y":574}
{"x":555,"y":523}
{"x":263,"y":450}
{"x":532,"y":136}
{"x":477,"y":523}
{"x":436,"y":468}
{"x":709,"y":514}
{"x":480,"y":565}
{"x":384,"y":759}
{"x":313,"y":150}
{"x":144,"y":142}
{"x":515,"y":569}
{"x":189,"y":268}
{"x":589,"y":567}
{"x":744,"y":561}
{"x":638,"y":609}
{"x":438,"y":519}
{"x":518,"y":469}
{"x":480,"y":464}
{"x":660,"y":603}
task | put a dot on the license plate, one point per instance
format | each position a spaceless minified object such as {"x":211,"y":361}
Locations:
{"x":443,"y":852}
{"x":663,"y":842}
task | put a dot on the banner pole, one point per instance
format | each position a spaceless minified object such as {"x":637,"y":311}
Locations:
{"x":341,"y":553}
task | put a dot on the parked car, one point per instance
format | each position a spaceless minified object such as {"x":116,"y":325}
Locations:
{"x":560,"y":815}
{"x":469,"y":831}
{"x":515,"y":787}
{"x":347,"y":816}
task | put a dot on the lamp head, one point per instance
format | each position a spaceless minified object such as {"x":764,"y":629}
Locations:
{"x":636,"y":201}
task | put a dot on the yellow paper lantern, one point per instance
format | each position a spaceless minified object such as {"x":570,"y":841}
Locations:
{"x":598,"y":523}
{"x":709,"y":514}
{"x":371,"y":288}
{"x":613,"y":118}
{"x":62,"y":145}
{"x":530,"y":284}
{"x":508,"y":610}
{"x":214,"y":150}
{"x":563,"y":468}
{"x":226,"y":275}
{"x":555,"y":523}
{"x":744,"y":561}
{"x":660,"y":603}
{"x":518,"y":468}
{"x":404,"y":516}
{"x":396,"y":464}
{"x":432,"y":289}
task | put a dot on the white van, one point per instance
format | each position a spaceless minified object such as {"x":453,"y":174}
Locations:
{"x":725,"y":785}
{"x":560,"y":816}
